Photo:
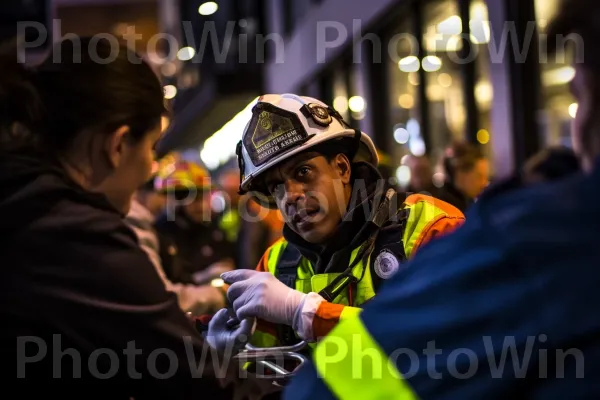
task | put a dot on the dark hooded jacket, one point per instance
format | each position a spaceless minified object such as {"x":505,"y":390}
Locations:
{"x":80,"y":299}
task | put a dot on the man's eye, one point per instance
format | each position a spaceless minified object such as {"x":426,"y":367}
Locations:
{"x":303,"y":171}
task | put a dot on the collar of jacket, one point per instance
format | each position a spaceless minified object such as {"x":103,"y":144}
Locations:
{"x":334,"y":256}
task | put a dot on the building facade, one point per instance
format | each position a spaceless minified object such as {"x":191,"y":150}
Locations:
{"x":418,"y":74}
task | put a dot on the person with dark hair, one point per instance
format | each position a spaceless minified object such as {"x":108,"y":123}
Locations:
{"x":421,"y":175}
{"x":551,"y":164}
{"x":467,"y":175}
{"x":77,"y":142}
{"x":193,"y":247}
{"x":520,"y":277}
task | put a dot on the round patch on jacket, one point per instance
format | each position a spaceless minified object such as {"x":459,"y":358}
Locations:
{"x":386,"y":264}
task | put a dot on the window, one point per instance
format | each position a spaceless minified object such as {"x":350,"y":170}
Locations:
{"x":480,"y":36}
{"x":340,"y":93}
{"x":442,"y":66}
{"x":558,"y":105}
{"x":404,"y":96}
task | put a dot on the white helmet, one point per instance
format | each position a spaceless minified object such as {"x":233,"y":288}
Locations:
{"x":285,"y":125}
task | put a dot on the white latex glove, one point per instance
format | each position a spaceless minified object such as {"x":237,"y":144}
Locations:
{"x":225,"y":338}
{"x":262,"y":295}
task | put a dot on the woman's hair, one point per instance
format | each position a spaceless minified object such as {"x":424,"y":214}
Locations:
{"x":21,"y":109}
{"x":84,"y":85}
{"x":460,"y":156}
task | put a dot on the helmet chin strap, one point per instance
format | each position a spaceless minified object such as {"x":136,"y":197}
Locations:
{"x":241,"y":166}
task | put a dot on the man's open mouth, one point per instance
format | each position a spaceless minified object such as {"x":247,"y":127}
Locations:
{"x":305,"y":217}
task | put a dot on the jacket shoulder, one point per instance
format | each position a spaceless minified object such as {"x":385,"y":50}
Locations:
{"x":428,"y":217}
{"x":269,"y":258}
{"x":439,"y":205}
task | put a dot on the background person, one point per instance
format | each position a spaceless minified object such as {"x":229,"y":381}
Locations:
{"x":194,"y":248}
{"x":421,"y":175}
{"x":551,"y":164}
{"x":467,"y":175}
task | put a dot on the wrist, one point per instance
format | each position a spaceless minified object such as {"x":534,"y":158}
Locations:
{"x":293,"y":303}
{"x":305,"y":314}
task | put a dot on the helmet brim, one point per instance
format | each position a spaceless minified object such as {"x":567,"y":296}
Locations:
{"x":366,"y":152}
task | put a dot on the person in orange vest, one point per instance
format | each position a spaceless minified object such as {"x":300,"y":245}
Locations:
{"x":345,"y":231}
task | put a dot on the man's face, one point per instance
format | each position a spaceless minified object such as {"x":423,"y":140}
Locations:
{"x":472,"y":182}
{"x":312,"y":193}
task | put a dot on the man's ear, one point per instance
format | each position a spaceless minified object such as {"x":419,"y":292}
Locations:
{"x":343,"y":167}
{"x":115,"y":145}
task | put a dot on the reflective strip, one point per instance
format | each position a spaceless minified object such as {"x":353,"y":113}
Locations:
{"x":274,"y":253}
{"x":422,"y":213}
{"x":353,"y":365}
{"x":350,"y":312}
{"x":308,"y":281}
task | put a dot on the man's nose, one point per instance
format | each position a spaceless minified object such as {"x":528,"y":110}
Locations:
{"x":294,"y":191}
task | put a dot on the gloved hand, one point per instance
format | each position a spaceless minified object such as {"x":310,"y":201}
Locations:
{"x":262,"y":295}
{"x":224,"y":337}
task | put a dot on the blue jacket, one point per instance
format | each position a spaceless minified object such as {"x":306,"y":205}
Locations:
{"x":520,"y":278}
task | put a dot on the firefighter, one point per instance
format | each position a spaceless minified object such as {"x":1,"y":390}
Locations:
{"x":345,"y":231}
{"x":193,"y":247}
{"x":520,"y":277}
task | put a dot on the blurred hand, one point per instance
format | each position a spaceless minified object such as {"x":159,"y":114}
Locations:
{"x":224,"y":336}
{"x":212,"y":272}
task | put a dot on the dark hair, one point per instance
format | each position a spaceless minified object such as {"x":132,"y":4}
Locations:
{"x":21,"y":107}
{"x":552,"y":163}
{"x":460,"y":156}
{"x":86,"y":85}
